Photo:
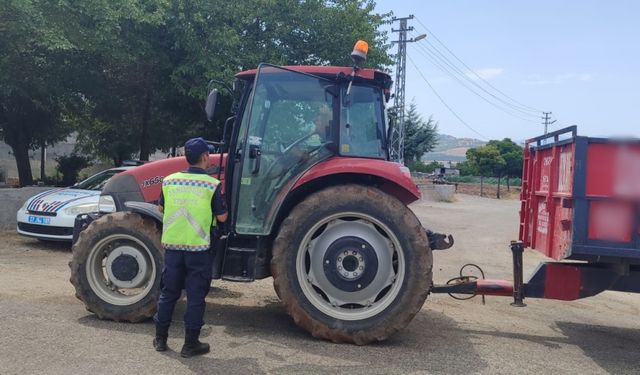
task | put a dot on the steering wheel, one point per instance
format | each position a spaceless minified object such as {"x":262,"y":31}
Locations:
{"x":269,"y":173}
{"x":296,"y":142}
{"x":279,"y":168}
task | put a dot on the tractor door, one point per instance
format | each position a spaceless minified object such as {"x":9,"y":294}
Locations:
{"x":287,"y":126}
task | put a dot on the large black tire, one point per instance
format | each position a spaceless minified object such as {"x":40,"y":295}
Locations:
{"x":128,"y":233}
{"x":359,"y":207}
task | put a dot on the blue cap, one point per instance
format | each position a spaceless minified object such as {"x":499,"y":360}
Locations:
{"x":195,"y":147}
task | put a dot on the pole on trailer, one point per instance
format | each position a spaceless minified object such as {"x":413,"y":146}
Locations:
{"x":517,"y":248}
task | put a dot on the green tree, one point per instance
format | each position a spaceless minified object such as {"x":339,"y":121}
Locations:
{"x":511,"y":152}
{"x":419,"y":166}
{"x":131,"y":76}
{"x":486,"y":161}
{"x":156,"y":83}
{"x":420,"y":136}
{"x":51,"y":52}
{"x":69,"y":167}
{"x":467,"y":168}
{"x":33,"y":95}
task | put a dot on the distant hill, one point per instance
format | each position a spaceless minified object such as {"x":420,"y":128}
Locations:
{"x":450,"y":148}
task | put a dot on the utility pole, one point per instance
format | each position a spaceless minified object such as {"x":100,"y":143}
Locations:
{"x":397,"y":134}
{"x":546,"y":123}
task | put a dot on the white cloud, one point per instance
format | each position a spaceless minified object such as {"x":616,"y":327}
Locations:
{"x":485,"y":73}
{"x":537,"y":79}
{"x":585,"y":77}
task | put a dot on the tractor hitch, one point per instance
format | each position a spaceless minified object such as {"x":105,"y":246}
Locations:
{"x":439,"y":241}
{"x":467,"y":286}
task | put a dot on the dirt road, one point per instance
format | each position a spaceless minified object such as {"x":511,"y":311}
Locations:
{"x":46,"y":330}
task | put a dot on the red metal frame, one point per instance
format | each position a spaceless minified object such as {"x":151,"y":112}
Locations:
{"x":545,"y":187}
{"x":580,"y":198}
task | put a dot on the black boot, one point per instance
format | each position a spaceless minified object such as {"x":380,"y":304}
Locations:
{"x":192,"y":346}
{"x":160,"y":341}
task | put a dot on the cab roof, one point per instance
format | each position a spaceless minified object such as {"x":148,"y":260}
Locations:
{"x":330,"y":72}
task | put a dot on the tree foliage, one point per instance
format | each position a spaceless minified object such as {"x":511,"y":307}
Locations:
{"x":130,"y":76}
{"x":69,"y":167}
{"x":495,"y":159}
{"x":431,"y":167}
{"x":33,"y":71}
{"x":420,"y":136}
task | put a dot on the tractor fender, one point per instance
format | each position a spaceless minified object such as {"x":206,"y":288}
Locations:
{"x":145,"y":209}
{"x":392,"y":178}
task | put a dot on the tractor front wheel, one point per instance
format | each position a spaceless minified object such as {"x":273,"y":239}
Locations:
{"x":352,"y":264}
{"x":116,"y":267}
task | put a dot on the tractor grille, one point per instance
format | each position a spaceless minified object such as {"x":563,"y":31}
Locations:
{"x":45,"y":229}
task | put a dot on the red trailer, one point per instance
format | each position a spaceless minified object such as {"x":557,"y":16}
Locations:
{"x":580,"y":205}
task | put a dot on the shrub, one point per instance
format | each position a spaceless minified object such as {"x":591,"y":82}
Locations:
{"x":69,"y":167}
{"x":419,"y":166}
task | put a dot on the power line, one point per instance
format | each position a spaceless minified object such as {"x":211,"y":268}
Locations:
{"x":433,"y":59}
{"x":474,"y":73}
{"x":431,"y":48}
{"x":445,"y":103}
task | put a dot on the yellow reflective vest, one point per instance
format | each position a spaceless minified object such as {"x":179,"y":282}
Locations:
{"x":188,"y":219}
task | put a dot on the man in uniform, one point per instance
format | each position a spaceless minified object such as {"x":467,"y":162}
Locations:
{"x":192,"y":204}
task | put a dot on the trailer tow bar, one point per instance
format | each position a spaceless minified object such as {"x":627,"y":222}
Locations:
{"x":472,"y":285}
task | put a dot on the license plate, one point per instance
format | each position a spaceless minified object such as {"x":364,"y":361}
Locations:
{"x":39,"y":220}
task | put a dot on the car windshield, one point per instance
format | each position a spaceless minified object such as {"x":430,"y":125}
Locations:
{"x":97,"y":181}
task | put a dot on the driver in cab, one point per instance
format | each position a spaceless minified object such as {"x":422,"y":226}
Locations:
{"x":318,"y":136}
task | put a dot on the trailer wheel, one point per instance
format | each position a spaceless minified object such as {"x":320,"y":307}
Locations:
{"x":352,"y":264}
{"x":116,"y":267}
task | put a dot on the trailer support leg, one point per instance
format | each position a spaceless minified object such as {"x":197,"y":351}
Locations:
{"x":517,"y":248}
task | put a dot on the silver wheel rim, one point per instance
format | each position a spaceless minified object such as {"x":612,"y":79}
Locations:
{"x":102,"y":280}
{"x":370,"y":300}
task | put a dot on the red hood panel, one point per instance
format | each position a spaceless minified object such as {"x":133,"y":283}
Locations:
{"x":149,"y":176}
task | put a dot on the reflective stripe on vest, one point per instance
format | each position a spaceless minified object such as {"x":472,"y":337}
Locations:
{"x":188,"y":219}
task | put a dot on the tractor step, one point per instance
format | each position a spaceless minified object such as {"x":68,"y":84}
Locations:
{"x":239,"y":264}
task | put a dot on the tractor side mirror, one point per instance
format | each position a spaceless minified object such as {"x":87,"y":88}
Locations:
{"x":210,"y":106}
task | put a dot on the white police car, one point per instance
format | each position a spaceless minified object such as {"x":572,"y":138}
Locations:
{"x":51,"y":215}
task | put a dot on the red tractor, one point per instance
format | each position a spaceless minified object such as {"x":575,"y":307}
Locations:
{"x":314,"y":202}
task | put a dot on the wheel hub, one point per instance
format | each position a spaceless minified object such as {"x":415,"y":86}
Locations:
{"x":350,"y":263}
{"x":126,"y":267}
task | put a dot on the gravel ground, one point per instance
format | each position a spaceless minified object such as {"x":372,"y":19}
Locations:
{"x":46,"y":330}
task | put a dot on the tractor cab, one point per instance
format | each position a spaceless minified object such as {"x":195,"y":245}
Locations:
{"x":292,"y":118}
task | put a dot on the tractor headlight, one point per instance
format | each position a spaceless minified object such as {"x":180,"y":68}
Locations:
{"x":106,"y":204}
{"x":81,"y":209}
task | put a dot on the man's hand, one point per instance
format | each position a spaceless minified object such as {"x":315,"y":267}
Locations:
{"x":222,"y":218}
{"x":161,"y":209}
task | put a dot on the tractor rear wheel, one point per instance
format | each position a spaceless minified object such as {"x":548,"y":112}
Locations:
{"x":352,"y":264}
{"x":116,"y":267}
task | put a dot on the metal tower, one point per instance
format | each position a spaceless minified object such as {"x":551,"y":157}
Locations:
{"x":547,"y":122}
{"x":397,"y":133}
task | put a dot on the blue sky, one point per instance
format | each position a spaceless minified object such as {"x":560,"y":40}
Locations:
{"x":578,"y":59}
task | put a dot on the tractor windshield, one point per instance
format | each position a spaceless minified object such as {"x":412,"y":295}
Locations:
{"x":362,"y":122}
{"x":286,"y":128}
